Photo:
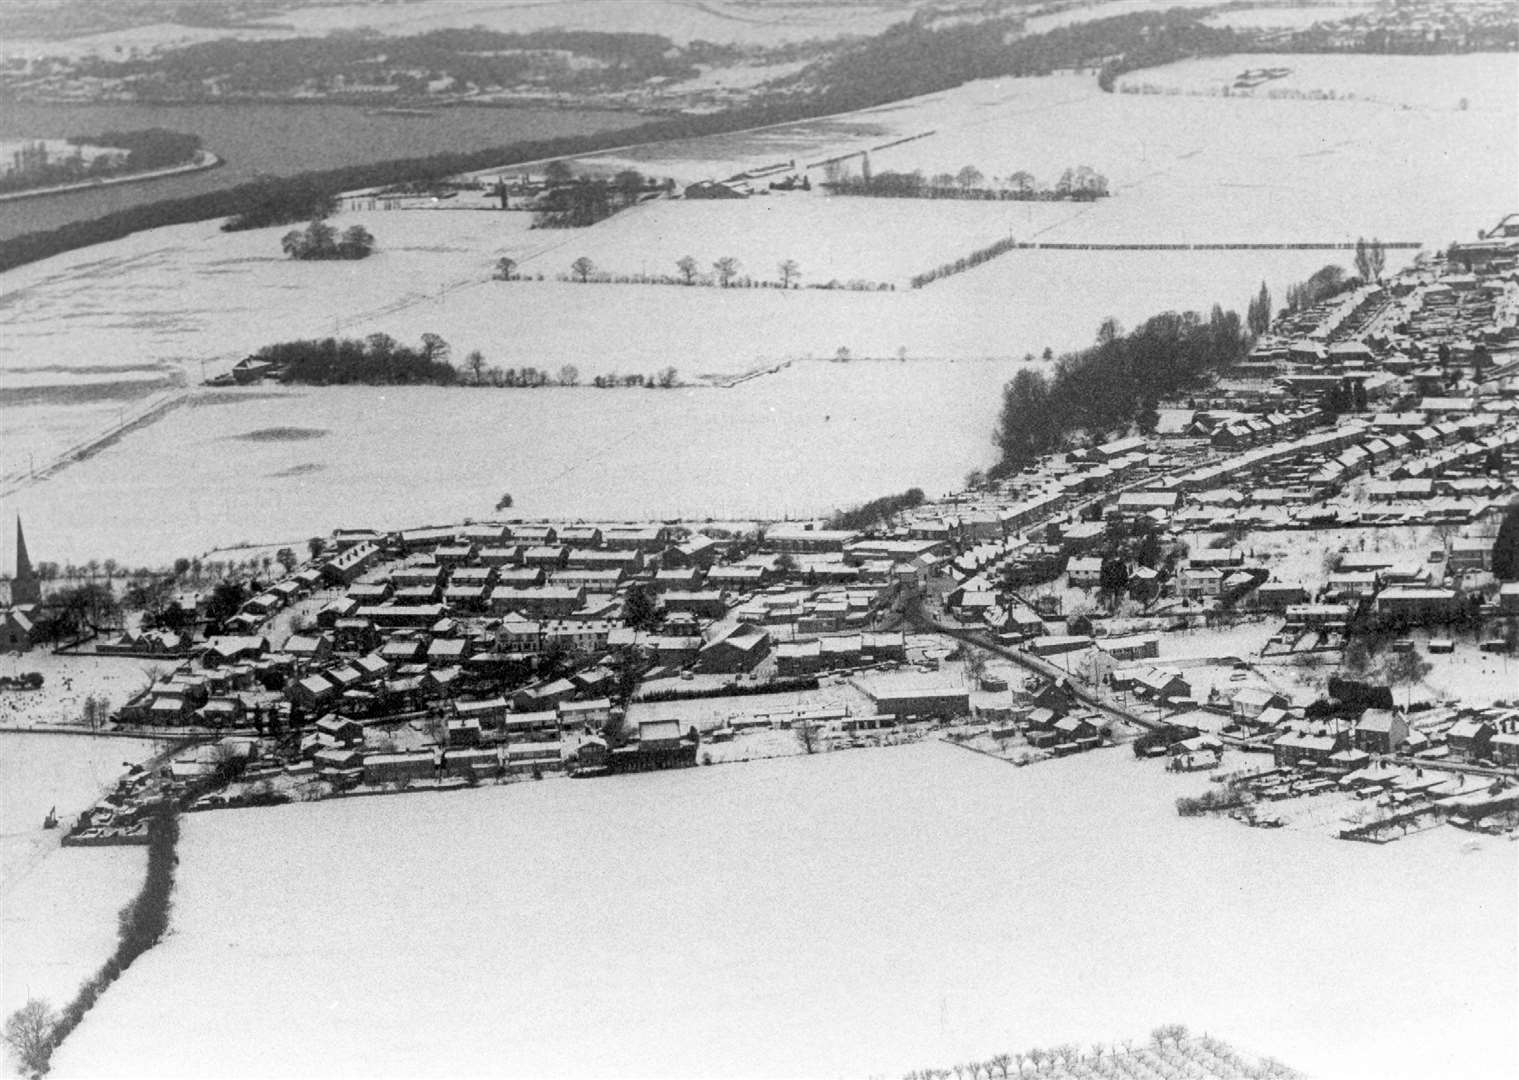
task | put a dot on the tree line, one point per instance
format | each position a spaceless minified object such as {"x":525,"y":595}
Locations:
{"x":874,"y":512}
{"x":1081,"y":184}
{"x":152,"y":148}
{"x":378,"y":360}
{"x":1115,"y":384}
{"x":906,"y":60}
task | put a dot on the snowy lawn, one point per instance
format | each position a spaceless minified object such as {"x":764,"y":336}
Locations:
{"x":854,"y":913}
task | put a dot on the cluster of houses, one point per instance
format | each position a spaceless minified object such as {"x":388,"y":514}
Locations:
{"x":514,"y":646}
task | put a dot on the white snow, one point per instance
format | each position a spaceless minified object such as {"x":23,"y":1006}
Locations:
{"x":856,"y":913}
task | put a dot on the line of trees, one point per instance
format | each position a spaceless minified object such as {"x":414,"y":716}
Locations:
{"x":877,"y":510}
{"x":320,"y":240}
{"x":906,"y":60}
{"x":35,"y":1030}
{"x":1081,"y":183}
{"x":967,"y":262}
{"x":1115,"y":384}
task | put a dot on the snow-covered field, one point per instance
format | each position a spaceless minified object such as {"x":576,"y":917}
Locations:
{"x":853,"y":914}
{"x":57,"y":905}
{"x":180,"y":302}
{"x":812,"y":438}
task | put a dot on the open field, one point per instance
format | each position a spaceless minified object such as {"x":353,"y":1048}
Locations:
{"x":174,"y":304}
{"x":1020,"y":906}
{"x":390,"y":457}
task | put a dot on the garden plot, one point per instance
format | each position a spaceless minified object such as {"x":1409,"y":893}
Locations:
{"x":871,"y":888}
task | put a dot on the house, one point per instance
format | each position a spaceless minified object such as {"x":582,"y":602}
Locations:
{"x":1132,"y":647}
{"x":741,"y":649}
{"x":1380,"y":731}
{"x":1084,"y":572}
{"x":1416,"y":604}
{"x":345,"y":567}
{"x":486,"y":713}
{"x":312,"y":692}
{"x":1250,"y":701}
{"x":1294,"y":747}
{"x":16,"y":630}
{"x":799,"y":658}
{"x":1470,"y":739}
{"x":229,"y":650}
{"x":308,"y":647}
{"x":590,"y":714}
{"x":336,"y":730}
{"x":1471,"y":553}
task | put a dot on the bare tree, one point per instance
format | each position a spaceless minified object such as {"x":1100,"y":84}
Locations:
{"x":505,"y":268}
{"x":1000,"y":1062}
{"x":969,"y":177}
{"x":583,"y":268}
{"x":687,"y":267}
{"x":29,"y":1034}
{"x":474,"y":363}
{"x":569,"y":375}
{"x":726,"y":270}
{"x":789,"y":271}
{"x":808,"y":735}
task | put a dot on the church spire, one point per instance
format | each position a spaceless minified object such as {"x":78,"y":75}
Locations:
{"x":25,"y":588}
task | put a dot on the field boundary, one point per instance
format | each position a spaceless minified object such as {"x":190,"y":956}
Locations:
{"x":1336,"y":245}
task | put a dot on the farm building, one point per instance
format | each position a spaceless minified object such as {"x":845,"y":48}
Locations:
{"x":942,"y":703}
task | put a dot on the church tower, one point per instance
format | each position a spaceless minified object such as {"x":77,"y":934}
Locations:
{"x":26,"y":589}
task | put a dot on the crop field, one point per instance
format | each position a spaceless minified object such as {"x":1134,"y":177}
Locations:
{"x":731,"y":903}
